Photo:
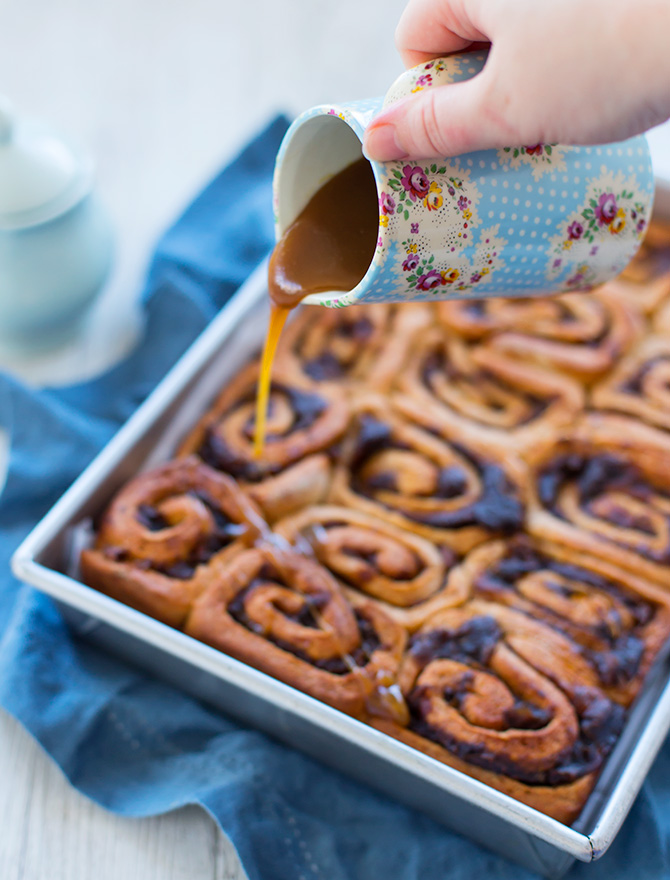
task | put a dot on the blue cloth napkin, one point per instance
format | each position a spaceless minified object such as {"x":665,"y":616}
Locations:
{"x":139,"y":747}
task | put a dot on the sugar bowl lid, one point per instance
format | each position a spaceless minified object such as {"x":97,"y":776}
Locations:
{"x":41,"y":175}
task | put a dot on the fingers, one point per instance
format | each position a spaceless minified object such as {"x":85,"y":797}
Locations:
{"x":442,"y":121}
{"x":429,"y":28}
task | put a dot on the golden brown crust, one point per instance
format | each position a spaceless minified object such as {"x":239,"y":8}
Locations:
{"x":303,"y":423}
{"x":285,"y":615}
{"x":457,"y":490}
{"x":404,"y":573}
{"x":165,"y":534}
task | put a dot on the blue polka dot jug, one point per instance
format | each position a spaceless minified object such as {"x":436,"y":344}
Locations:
{"x":520,"y":221}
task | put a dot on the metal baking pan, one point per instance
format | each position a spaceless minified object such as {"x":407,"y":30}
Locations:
{"x":458,"y":801}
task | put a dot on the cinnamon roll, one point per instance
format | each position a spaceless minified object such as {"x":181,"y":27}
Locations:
{"x":285,"y":615}
{"x":484,"y":700}
{"x":360,"y":344}
{"x":578,"y":333}
{"x":454,"y":490}
{"x":165,"y":534}
{"x":508,"y":401}
{"x":640,"y":384}
{"x":304,"y":422}
{"x":404,"y":573}
{"x":604,"y":488}
{"x":615,"y":620}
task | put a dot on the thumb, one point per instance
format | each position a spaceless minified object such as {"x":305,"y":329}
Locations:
{"x":440,"y":122}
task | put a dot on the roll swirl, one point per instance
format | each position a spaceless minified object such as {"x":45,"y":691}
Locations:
{"x":582,"y":334}
{"x":640,"y":384}
{"x":484,"y":700}
{"x":365,"y":344}
{"x":404,"y":573}
{"x":454,"y":490}
{"x":304,"y":422}
{"x":166,"y":533}
{"x":604,"y":488}
{"x":615,"y":620}
{"x":285,"y":615}
{"x":507,"y":401}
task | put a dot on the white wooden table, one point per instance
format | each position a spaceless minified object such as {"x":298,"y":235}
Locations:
{"x":162,"y":92}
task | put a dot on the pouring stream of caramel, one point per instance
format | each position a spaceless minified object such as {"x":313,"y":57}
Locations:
{"x":328,"y":247}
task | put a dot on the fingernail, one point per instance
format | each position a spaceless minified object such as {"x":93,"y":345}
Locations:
{"x":381,"y":143}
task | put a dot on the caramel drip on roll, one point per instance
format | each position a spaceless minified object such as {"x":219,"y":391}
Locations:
{"x":483,"y":699}
{"x":303,"y":423}
{"x":165,"y":533}
{"x":640,"y":384}
{"x":404,"y":573}
{"x":360,"y":344}
{"x":285,"y":615}
{"x":605,"y":489}
{"x":504,"y":399}
{"x":617,"y":622}
{"x":579,"y":333}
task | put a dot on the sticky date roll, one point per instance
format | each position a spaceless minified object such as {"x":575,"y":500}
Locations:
{"x":165,"y":534}
{"x":616,"y":620}
{"x":454,"y":489}
{"x":640,"y":384}
{"x":285,"y":615}
{"x":604,"y":488}
{"x":582,"y":334}
{"x":303,"y":424}
{"x":360,"y":344}
{"x":508,"y":401}
{"x":404,"y":573}
{"x":483,"y":699}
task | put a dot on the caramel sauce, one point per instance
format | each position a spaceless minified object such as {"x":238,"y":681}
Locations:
{"x":278,"y":316}
{"x":328,"y":247}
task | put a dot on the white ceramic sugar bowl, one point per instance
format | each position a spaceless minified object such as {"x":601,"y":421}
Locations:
{"x":55,"y":235}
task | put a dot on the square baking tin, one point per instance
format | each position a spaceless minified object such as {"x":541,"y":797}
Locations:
{"x":452,"y":798}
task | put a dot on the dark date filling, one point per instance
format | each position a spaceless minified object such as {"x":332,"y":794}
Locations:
{"x":594,"y":476}
{"x":306,"y":406}
{"x":471,"y":644}
{"x":620,"y":661}
{"x":308,"y":616}
{"x":327,"y":366}
{"x":600,"y":720}
{"x":225,"y":531}
{"x":437,"y":363}
{"x":633,"y":385}
{"x":498,"y":507}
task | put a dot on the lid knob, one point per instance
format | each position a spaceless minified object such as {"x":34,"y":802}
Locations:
{"x":6,"y":119}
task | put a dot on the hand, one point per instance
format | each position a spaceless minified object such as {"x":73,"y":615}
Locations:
{"x":558,"y":71}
